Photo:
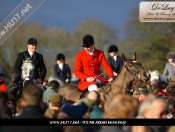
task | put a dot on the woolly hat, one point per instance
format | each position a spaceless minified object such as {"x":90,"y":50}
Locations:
{"x":88,"y":40}
{"x":56,"y":98}
{"x":75,"y":111}
{"x":32,"y":41}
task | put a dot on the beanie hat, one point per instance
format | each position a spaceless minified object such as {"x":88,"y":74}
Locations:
{"x":75,"y":111}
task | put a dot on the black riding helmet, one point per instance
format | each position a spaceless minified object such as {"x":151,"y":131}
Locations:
{"x":88,"y":40}
{"x":170,"y":55}
{"x":112,"y":48}
{"x":60,"y":56}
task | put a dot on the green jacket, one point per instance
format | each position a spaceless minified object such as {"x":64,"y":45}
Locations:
{"x":46,"y":95}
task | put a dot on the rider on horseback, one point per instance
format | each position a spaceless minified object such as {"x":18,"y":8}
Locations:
{"x":38,"y":62}
{"x":87,"y":66}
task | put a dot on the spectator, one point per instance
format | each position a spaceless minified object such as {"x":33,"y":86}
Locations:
{"x":32,"y":98}
{"x":19,"y":107}
{"x":55,"y":103}
{"x":52,"y":89}
{"x":97,"y":111}
{"x":120,"y":106}
{"x":11,"y":104}
{"x":73,"y":111}
{"x":45,"y":83}
{"x":90,"y":104}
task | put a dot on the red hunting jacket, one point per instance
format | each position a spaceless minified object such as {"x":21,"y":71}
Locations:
{"x":2,"y":86}
{"x":87,"y":65}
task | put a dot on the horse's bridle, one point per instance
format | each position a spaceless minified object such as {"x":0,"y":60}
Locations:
{"x":132,"y":73}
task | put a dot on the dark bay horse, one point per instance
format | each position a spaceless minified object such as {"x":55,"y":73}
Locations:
{"x":132,"y":70}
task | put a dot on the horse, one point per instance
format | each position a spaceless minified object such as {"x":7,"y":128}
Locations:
{"x":158,"y":81}
{"x":51,"y":78}
{"x":132,"y":70}
{"x":156,"y":76}
{"x":26,"y":78}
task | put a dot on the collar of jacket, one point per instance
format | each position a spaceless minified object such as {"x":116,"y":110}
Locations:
{"x":32,"y":108}
{"x":94,"y":54}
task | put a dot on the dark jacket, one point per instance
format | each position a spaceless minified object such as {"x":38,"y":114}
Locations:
{"x":116,"y":65}
{"x":39,"y":65}
{"x":31,"y":112}
{"x":63,"y":74}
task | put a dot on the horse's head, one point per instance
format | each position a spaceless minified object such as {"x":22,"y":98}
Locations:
{"x":155,"y":76}
{"x":134,"y":70}
{"x":27,"y":69}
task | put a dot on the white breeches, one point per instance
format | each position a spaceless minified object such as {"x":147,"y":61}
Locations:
{"x":93,"y":86}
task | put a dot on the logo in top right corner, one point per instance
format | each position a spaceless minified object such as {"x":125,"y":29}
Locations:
{"x":157,"y":11}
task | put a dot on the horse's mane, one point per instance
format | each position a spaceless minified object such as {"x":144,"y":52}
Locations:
{"x":27,"y":60}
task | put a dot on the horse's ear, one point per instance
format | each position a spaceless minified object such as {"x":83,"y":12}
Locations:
{"x":134,"y":57}
{"x":157,"y":72}
{"x":124,"y":58}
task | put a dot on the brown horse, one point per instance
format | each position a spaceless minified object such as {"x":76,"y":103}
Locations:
{"x":132,"y":70}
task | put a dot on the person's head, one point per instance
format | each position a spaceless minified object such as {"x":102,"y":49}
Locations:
{"x":1,"y":75}
{"x":60,"y":58}
{"x":55,"y":101}
{"x":32,"y":44}
{"x":45,"y":82}
{"x":171,"y":57}
{"x":121,"y":106}
{"x":19,"y":105}
{"x":11,"y":101}
{"x":153,"y":107}
{"x":32,"y":96}
{"x":88,"y":43}
{"x":54,"y":84}
{"x":113,"y":50}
